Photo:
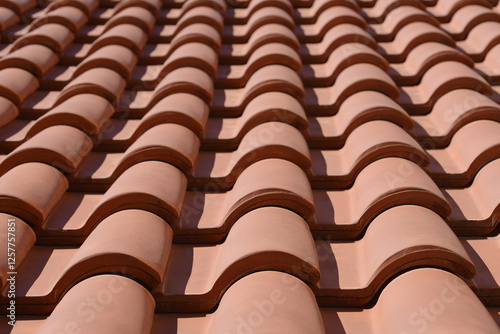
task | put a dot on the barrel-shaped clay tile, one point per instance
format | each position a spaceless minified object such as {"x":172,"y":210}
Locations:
{"x":269,"y":33}
{"x":19,"y":6}
{"x":137,"y":16}
{"x":381,"y":185}
{"x":30,"y":191}
{"x":353,"y":272}
{"x":422,"y":58}
{"x":489,"y":66}
{"x":324,"y":74}
{"x":466,"y":18}
{"x":334,"y":38}
{"x":173,"y":16}
{"x":273,"y":175}
{"x":169,"y":142}
{"x":197,"y":285}
{"x":15,"y":232}
{"x":61,"y":146}
{"x":476,"y":208}
{"x":199,"y":33}
{"x":368,"y":142}
{"x":212,"y":270}
{"x":402,"y":180}
{"x":185,"y":109}
{"x":17,"y":84}
{"x":481,"y":39}
{"x":265,"y":79}
{"x":266,"y":182}
{"x":34,"y":58}
{"x":152,"y":186}
{"x":116,"y":297}
{"x":8,"y":111}
{"x":472,"y":147}
{"x":310,"y":15}
{"x":196,"y":55}
{"x":413,"y":235}
{"x":439,"y":80}
{"x":192,"y":54}
{"x":289,"y":243}
{"x":68,"y":16}
{"x":132,"y":241}
{"x":226,"y":133}
{"x":53,"y":35}
{"x":434,"y":293}
{"x":236,"y":76}
{"x":266,"y":15}
{"x":87,"y":6}
{"x":314,"y":33}
{"x":8,"y":18}
{"x":354,"y":79}
{"x":152,"y":5}
{"x":115,"y":57}
{"x":87,"y":112}
{"x":397,"y":19}
{"x":220,"y":5}
{"x":236,"y":15}
{"x":206,"y":15}
{"x":127,"y":35}
{"x":444,"y":10}
{"x":284,"y":304}
{"x":331,"y":132}
{"x":185,"y":80}
{"x":99,"y":81}
{"x":379,"y":12}
{"x":409,"y":37}
{"x":264,"y":141}
{"x":450,"y":113}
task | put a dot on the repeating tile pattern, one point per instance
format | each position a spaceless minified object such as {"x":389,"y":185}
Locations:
{"x":264,"y":166}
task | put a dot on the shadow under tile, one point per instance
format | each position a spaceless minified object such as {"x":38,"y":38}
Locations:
{"x":192,"y":210}
{"x":311,"y":97}
{"x":327,"y":265}
{"x":32,"y":268}
{"x":457,"y":213}
{"x":179,"y":269}
{"x":331,"y":321}
{"x":213,"y":128}
{"x":63,"y":212}
{"x":482,"y":271}
{"x":324,"y":206}
{"x":318,"y":162}
{"x":164,"y":323}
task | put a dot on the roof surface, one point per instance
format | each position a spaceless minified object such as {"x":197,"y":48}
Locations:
{"x":265,"y":166}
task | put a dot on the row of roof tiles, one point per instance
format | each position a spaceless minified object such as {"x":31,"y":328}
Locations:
{"x":315,"y":180}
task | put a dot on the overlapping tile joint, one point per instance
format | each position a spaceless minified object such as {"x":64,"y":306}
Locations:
{"x":264,"y":166}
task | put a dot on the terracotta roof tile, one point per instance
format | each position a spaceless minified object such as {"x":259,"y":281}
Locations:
{"x":34,"y":58}
{"x":22,"y":199}
{"x":8,"y":18}
{"x":210,"y":166}
{"x":475,"y":208}
{"x":68,"y":16}
{"x":61,"y":146}
{"x":439,"y":80}
{"x":410,"y":36}
{"x":121,"y":293}
{"x":444,"y":10}
{"x":381,"y":8}
{"x":87,"y":6}
{"x":53,"y":35}
{"x":398,"y":18}
{"x":466,"y":18}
